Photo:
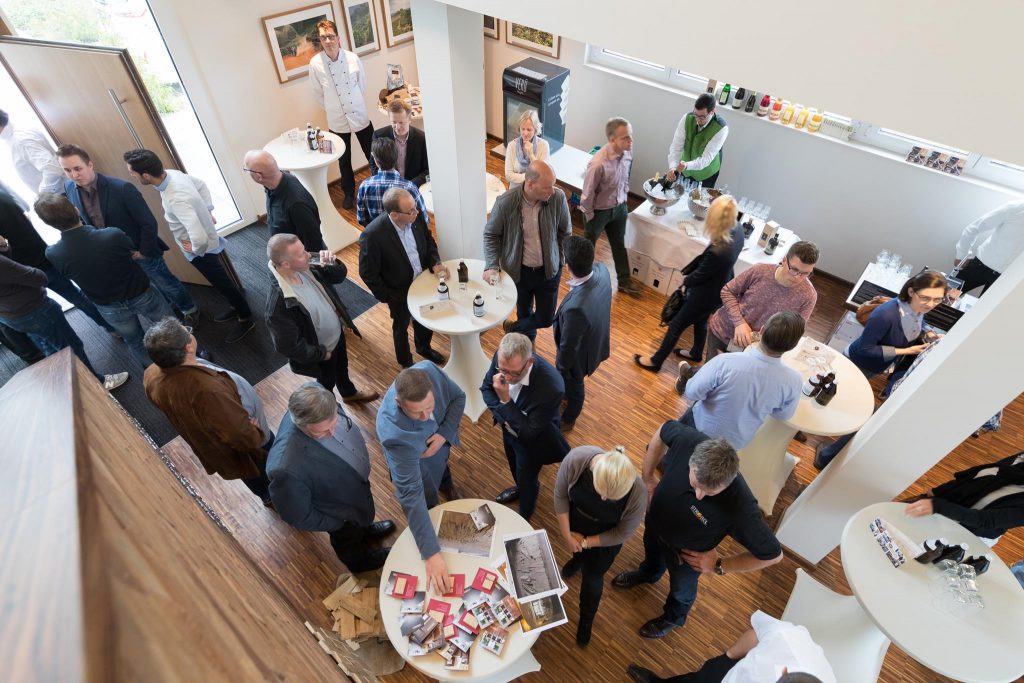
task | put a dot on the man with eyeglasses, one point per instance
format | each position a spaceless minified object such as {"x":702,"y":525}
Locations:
{"x":339,"y":85}
{"x":758,"y":293}
{"x":393,"y":250}
{"x":291,"y":209}
{"x":216,"y":411}
{"x":370,"y":199}
{"x":696,"y":149}
{"x":524,"y":394}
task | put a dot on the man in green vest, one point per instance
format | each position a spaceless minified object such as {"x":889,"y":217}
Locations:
{"x":696,"y":149}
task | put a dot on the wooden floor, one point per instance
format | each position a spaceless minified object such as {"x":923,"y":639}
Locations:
{"x":624,"y":406}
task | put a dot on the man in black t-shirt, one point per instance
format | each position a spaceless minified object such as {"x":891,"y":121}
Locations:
{"x":700,"y":500}
{"x":291,"y":209}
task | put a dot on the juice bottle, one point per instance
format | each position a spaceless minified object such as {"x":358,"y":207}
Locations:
{"x":801,"y":118}
{"x":815,"y":122}
{"x":776,"y":111}
{"x":787,"y":114}
{"x":766,"y":101}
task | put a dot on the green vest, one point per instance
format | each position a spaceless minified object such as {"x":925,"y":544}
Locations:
{"x":695,"y":143}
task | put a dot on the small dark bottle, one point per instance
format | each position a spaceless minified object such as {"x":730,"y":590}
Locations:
{"x":478,"y":305}
{"x":463,"y":275}
{"x":772,"y":244}
{"x":954,"y":552}
{"x":827,"y":393}
{"x":738,"y":97}
{"x":980,"y":564}
{"x":929,"y":554}
{"x":748,"y":228}
{"x":751,"y":103}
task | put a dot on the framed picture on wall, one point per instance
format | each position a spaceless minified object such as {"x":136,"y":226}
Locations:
{"x":528,"y":38}
{"x":397,"y":21}
{"x":361,"y":25}
{"x":291,"y":37}
{"x":492,"y":27}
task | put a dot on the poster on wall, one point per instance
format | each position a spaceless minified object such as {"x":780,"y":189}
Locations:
{"x":361,"y":25}
{"x":492,"y":27}
{"x":397,"y":21}
{"x":531,"y":39}
{"x":291,"y":37}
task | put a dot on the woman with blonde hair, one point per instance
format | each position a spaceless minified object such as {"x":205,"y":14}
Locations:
{"x":600,"y":500}
{"x":702,"y":284}
{"x":524,"y":149}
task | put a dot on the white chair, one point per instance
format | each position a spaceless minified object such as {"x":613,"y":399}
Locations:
{"x":852,"y":643}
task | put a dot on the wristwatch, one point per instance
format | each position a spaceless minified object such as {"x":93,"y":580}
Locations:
{"x":719,"y":569}
{"x":583,"y":544}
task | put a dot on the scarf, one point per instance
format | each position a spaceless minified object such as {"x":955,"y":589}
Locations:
{"x":521,"y":157}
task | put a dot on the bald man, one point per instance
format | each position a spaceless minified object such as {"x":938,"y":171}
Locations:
{"x":290,"y":208}
{"x":524,"y":237}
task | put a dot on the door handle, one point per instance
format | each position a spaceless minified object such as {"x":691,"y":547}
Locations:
{"x":119,"y":103}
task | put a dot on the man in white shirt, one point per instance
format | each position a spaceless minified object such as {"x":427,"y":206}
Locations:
{"x":996,"y":240}
{"x":772,"y":650}
{"x":339,"y":87}
{"x":34,"y":158}
{"x":696,"y":149}
{"x":188,"y":209}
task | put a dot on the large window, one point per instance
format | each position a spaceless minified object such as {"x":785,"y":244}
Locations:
{"x":864,"y":133}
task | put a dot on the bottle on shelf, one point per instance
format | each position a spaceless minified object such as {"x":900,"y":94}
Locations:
{"x":711,"y":86}
{"x":478,"y":305}
{"x":723,"y":98}
{"x":814,"y":122}
{"x":739,"y":97}
{"x":442,"y":290}
{"x":827,"y":393}
{"x":801,"y":118}
{"x":762,"y":110}
{"x":751,"y":102}
{"x":787,"y":114}
{"x":776,"y":110}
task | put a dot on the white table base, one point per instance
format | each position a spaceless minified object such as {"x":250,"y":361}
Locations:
{"x":467,"y":366}
{"x":766,"y":464}
{"x":526,"y":664}
{"x":338,"y":233}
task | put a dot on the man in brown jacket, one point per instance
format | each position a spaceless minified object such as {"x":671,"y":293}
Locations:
{"x":216,"y":411}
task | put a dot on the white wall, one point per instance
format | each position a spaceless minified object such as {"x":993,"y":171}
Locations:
{"x":222,"y":56}
{"x":850,"y":201}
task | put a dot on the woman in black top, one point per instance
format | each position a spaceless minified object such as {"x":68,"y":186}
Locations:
{"x":702,"y":285}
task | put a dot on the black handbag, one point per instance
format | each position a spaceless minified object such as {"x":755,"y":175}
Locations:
{"x":675,"y":301}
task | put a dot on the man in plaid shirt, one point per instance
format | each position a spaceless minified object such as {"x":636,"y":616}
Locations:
{"x":370,"y":200}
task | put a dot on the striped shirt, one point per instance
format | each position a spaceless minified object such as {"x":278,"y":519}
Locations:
{"x":370,"y":198}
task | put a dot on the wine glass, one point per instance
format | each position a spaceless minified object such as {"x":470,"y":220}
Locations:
{"x":883,"y":258}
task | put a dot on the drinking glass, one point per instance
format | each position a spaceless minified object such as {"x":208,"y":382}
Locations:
{"x":905,"y":270}
{"x":767,"y":212}
{"x":742,"y":206}
{"x":894,"y":262}
{"x":883,"y":258}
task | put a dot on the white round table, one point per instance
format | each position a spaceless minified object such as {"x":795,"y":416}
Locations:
{"x":467,"y":363}
{"x":765,"y":462}
{"x":311,"y":169}
{"x":982,"y":647}
{"x":516,"y":660}
{"x":495,"y":188}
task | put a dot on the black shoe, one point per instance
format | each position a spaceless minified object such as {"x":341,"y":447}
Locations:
{"x":507,"y":325}
{"x":566,"y":426}
{"x":583,"y":630}
{"x":242,"y":328}
{"x":630,"y":579}
{"x":375,"y":560}
{"x":381,"y":528}
{"x":226,"y":316}
{"x":406,"y":363}
{"x":572,"y":567}
{"x":820,"y":461}
{"x":509,"y":495}
{"x":648,"y":368}
{"x":348,"y":202}
{"x":431,"y":355}
{"x":687,"y":355}
{"x":659,"y":627}
{"x":267,"y":503}
{"x":639,"y":674}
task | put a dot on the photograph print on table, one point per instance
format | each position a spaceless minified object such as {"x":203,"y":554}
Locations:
{"x":543,"y":613}
{"x":531,"y":564}
{"x":292,"y":38}
{"x":361,"y":25}
{"x":531,"y":39}
{"x":397,"y":21}
{"x":414,"y":604}
{"x":457,"y":533}
{"x":483,"y":518}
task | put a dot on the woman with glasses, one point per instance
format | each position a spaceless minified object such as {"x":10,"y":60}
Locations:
{"x":894,"y":330}
{"x":525,"y":149}
{"x":702,"y":284}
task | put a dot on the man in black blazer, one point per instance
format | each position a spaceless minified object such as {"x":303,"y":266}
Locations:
{"x":104,"y":201}
{"x":319,"y":471}
{"x":412,"y":144}
{"x":524,"y":392}
{"x":395,"y":248}
{"x":583,"y":323}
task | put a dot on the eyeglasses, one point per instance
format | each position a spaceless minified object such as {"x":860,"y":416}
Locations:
{"x":249,"y":170}
{"x":513,"y":373}
{"x":796,"y":272}
{"x":929,"y":299}
{"x":411,"y":212}
{"x":327,"y":38}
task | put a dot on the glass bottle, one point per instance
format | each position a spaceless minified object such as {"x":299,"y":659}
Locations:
{"x":463,"y":275}
{"x":442,"y":290}
{"x":787,"y":114}
{"x":751,"y":103}
{"x":739,"y":98}
{"x":776,"y":111}
{"x":765,"y":102}
{"x":478,"y":305}
{"x":724,"y":97}
{"x":814,"y":123}
{"x":801,"y":119}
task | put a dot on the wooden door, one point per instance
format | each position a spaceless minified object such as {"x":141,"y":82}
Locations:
{"x":94,"y":97}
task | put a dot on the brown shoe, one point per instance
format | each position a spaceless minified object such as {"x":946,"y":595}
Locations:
{"x":629,"y":286}
{"x":360,"y":397}
{"x":506,"y":325}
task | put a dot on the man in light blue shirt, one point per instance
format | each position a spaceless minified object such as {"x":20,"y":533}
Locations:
{"x":735,"y":392}
{"x":417,"y":424}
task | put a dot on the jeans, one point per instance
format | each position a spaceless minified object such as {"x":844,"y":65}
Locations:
{"x":400,"y":318}
{"x":124,"y":317}
{"x":682,"y":580}
{"x":348,"y":178}
{"x":67,"y":289}
{"x":575,"y":394}
{"x":594,"y":562}
{"x":161,"y":277}
{"x":20,"y":343}
{"x":209,"y":265}
{"x":534,"y":287}
{"x":333,"y":372}
{"x":525,"y":473}
{"x":694,"y":313}
{"x":48,"y":329}
{"x":349,"y":543}
{"x":613,"y":223}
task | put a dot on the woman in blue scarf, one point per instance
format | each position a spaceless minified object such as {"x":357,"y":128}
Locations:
{"x":524,"y":149}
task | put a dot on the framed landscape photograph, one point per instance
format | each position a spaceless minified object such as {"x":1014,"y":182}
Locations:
{"x":531,"y":39}
{"x":291,"y":37}
{"x":492,"y":28}
{"x":361,"y":25}
{"x":397,"y":21}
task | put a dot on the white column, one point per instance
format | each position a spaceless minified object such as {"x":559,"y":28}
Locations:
{"x":450,"y":61}
{"x":972,"y":374}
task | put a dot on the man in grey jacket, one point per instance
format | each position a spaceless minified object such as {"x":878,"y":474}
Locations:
{"x":523,"y":237}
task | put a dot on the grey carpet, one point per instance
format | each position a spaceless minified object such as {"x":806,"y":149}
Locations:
{"x":254,"y":357}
